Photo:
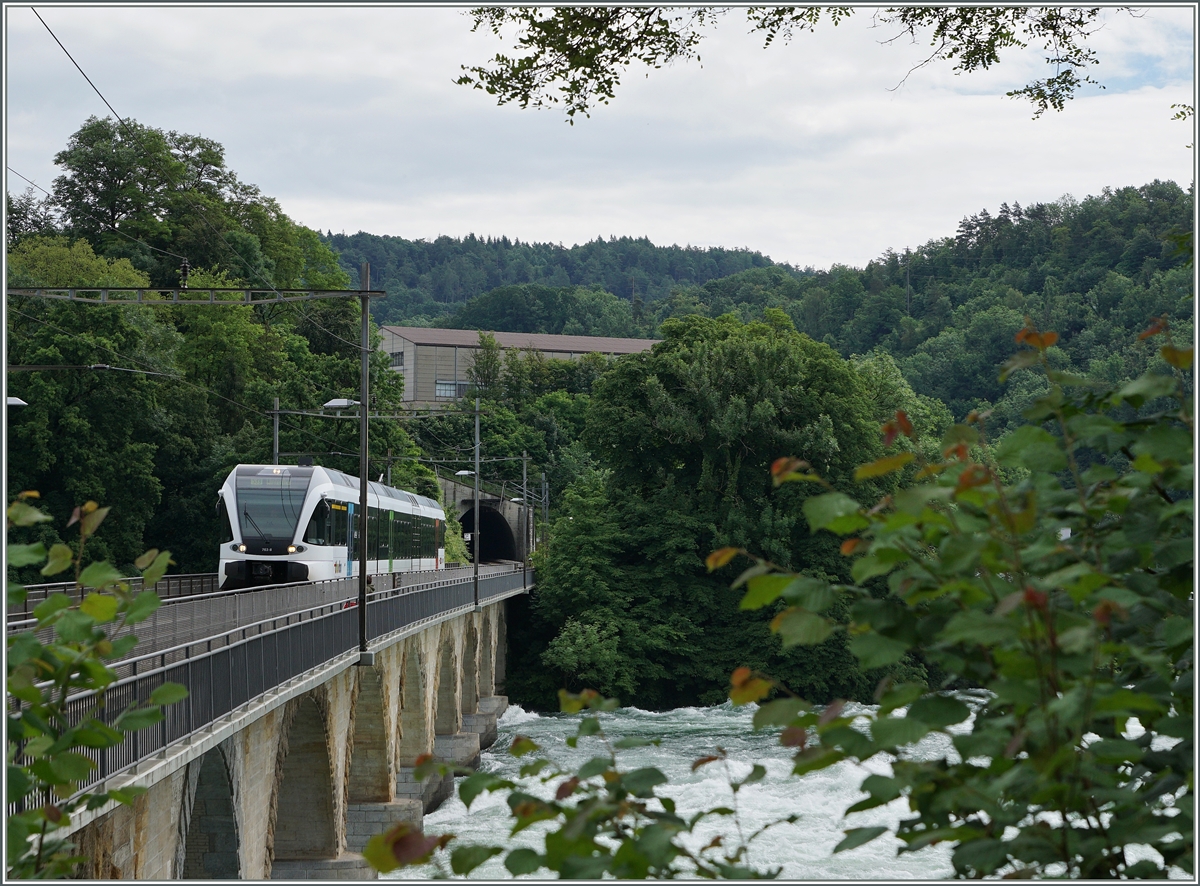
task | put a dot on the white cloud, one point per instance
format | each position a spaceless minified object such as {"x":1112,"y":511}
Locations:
{"x":351,"y":119}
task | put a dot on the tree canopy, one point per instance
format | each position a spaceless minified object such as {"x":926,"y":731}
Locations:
{"x":574,"y":56}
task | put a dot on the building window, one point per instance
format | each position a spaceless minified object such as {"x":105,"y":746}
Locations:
{"x":445,"y":390}
{"x":398,"y":360}
{"x":463,"y":387}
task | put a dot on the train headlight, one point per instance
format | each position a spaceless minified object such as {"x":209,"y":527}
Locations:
{"x":242,"y":548}
{"x":295,"y":549}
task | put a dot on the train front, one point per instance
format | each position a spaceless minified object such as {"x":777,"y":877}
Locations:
{"x":263,"y":505}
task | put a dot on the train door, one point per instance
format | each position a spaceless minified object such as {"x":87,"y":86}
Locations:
{"x":351,"y":538}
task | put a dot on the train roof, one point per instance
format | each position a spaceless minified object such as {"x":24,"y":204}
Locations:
{"x":338,"y":478}
{"x":381,"y":490}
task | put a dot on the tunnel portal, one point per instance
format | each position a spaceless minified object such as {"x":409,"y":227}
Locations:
{"x":498,"y":541}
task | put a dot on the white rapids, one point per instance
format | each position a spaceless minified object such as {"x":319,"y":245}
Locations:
{"x":803,"y":850}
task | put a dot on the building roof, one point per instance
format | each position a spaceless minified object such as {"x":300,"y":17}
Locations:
{"x":567,"y":344}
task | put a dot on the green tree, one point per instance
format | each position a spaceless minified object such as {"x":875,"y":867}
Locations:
{"x":575,"y":56}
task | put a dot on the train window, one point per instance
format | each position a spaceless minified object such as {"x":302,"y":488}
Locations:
{"x":226,"y":526}
{"x":319,"y":526}
{"x":338,"y":519}
{"x":391,"y":534}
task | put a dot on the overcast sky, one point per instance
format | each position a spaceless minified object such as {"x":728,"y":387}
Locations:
{"x":350,"y":117}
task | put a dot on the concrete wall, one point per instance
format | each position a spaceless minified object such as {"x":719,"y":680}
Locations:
{"x":461,"y":496}
{"x":294,"y":790}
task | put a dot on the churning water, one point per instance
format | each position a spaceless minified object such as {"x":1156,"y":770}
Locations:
{"x":804,"y":850}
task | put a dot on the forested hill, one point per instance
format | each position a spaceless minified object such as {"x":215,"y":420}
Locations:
{"x":426,"y":281}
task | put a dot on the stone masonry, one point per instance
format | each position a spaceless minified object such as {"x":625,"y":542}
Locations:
{"x":293,"y":785}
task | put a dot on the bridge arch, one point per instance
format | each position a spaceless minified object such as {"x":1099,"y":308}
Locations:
{"x":371,"y":776}
{"x":498,"y":541}
{"x":210,"y":847}
{"x":447,"y":718}
{"x":416,"y":736}
{"x":469,"y":686}
{"x":304,"y":814}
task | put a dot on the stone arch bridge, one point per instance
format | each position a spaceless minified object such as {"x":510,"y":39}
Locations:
{"x":292,"y":783}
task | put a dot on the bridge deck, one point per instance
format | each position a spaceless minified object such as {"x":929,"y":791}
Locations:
{"x":226,"y":667}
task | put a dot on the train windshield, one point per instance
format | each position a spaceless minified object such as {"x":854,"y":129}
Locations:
{"x":269,"y":503}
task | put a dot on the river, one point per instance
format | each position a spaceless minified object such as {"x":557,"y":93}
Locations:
{"x":804,"y":850}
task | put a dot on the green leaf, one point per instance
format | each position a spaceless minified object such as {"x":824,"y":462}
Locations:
{"x":939,"y":711}
{"x":780,"y":712}
{"x":142,"y":607}
{"x":523,"y":861}
{"x":21,"y":514}
{"x":26,"y":555}
{"x":633,"y":742}
{"x":899,"y":696}
{"x":856,"y":837}
{"x":594,"y":766}
{"x":146,"y":559}
{"x":822,"y":510}
{"x":168,"y":693}
{"x":61,"y":557}
{"x":52,"y":604}
{"x":799,"y":627}
{"x":465,"y":859}
{"x":883,"y":466}
{"x":898,"y":731}
{"x":99,"y":575}
{"x":1031,"y":447}
{"x":641,"y":782}
{"x":157,"y":569}
{"x":74,"y":626}
{"x":764,"y":589}
{"x":812,"y":594}
{"x":1115,"y":750}
{"x":17,"y":784}
{"x":875,"y":650}
{"x":813,"y":759}
{"x":89,"y":523}
{"x":101,"y":607}
{"x":138,"y":718}
{"x":474,"y":785}
{"x":71,"y":766}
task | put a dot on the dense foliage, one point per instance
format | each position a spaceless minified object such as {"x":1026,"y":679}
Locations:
{"x":682,"y":438}
{"x":427,"y":281}
{"x":1053,"y":597}
{"x":1064,"y":598}
{"x":50,"y":741}
{"x":190,"y":388}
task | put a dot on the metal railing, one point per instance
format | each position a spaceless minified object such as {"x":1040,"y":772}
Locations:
{"x":227,"y":670}
{"x":168,"y":587}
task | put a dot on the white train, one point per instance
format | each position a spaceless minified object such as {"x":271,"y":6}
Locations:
{"x":287,"y":523}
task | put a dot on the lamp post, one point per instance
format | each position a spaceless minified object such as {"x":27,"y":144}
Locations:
{"x":364,"y":285}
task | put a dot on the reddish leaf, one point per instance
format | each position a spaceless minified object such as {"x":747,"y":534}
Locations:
{"x":890,"y":432}
{"x":1155,"y":328}
{"x":74,"y":517}
{"x":831,"y":712}
{"x":794,"y":737}
{"x":1035,"y":599}
{"x":422,"y":759}
{"x":787,"y":465}
{"x":850,"y":545}
{"x":704,"y":761}
{"x":740,"y":676}
{"x":974,"y":475}
{"x":904,"y":424}
{"x":567,"y":788}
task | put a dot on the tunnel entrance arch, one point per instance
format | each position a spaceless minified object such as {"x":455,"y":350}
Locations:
{"x":498,"y":541}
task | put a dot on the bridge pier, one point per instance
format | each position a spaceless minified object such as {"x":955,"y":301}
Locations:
{"x":293,"y":784}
